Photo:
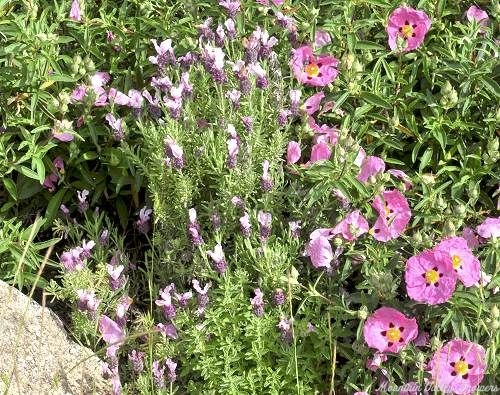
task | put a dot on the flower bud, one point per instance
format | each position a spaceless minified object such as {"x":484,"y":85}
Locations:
{"x":363,"y":313}
{"x":495,"y":312}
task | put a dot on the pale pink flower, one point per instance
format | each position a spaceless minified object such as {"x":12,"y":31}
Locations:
{"x":352,"y":226}
{"x":490,"y":228}
{"x":477,"y":14}
{"x":293,"y":152}
{"x":321,"y":38}
{"x":75,"y":12}
{"x":371,"y":166}
{"x":320,"y":151}
{"x":320,"y":252}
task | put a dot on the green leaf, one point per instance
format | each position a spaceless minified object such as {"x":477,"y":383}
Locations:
{"x":375,"y":100}
{"x":53,"y":207}
{"x":369,"y":45}
{"x":27,"y":172}
{"x":425,"y":159}
{"x":11,"y":187}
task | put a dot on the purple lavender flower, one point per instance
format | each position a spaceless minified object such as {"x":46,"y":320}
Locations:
{"x":218,"y":258}
{"x":257,"y":302}
{"x":265,"y":220}
{"x":169,"y":310}
{"x":164,"y":83}
{"x":202,"y":296}
{"x":194,"y":228}
{"x":294,"y":229}
{"x":283,"y":116}
{"x":136,"y":359}
{"x":104,"y":237}
{"x":121,"y":310}
{"x":154,"y":104}
{"x":216,"y":220}
{"x":261,"y":80}
{"x":245,"y":225}
{"x":220,"y":36}
{"x":184,"y":298}
{"x":187,"y":88}
{"x":233,"y":149}
{"x":87,"y":302}
{"x":252,"y":48}
{"x":142,"y":223}
{"x":230,"y":28}
{"x":174,"y":107}
{"x":187,"y":60}
{"x":267,"y":43}
{"x":71,"y":260}
{"x":171,"y":366}
{"x":116,"y":125}
{"x":234,"y":96}
{"x":165,"y":53}
{"x":174,"y":153}
{"x":285,"y":328}
{"x":159,"y":375}
{"x":83,"y":205}
{"x":238,"y":202}
{"x":279,"y":297}
{"x":86,"y":250}
{"x":295,"y":95}
{"x":248,"y":123}
{"x":232,"y":7}
{"x":168,"y":330}
{"x":241,"y":73}
{"x":204,"y":30}
{"x":266,"y":183}
{"x":110,"y":36}
{"x":116,"y":278}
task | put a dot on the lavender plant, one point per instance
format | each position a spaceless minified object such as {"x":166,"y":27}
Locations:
{"x":320,"y":210}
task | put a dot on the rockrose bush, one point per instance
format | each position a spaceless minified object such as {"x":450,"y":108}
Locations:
{"x":264,"y":196}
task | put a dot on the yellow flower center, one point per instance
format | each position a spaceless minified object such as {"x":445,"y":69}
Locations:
{"x":461,"y":367}
{"x":431,"y":276}
{"x":407,"y":31}
{"x":456,"y":261}
{"x":393,"y":335}
{"x":312,"y":70}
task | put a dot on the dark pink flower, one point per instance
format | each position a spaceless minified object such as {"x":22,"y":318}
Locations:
{"x":458,"y":367}
{"x":430,"y":277}
{"x":389,"y":330}
{"x":371,"y":166}
{"x":324,"y":133}
{"x":407,"y":28}
{"x":394,"y":215}
{"x":465,"y":264}
{"x":490,"y":228}
{"x":293,"y":152}
{"x":352,"y":226}
{"x":311,"y":105}
{"x":477,"y":14}
{"x":320,"y":151}
{"x":313,"y":70}
{"x":75,"y":12}
{"x":320,"y":252}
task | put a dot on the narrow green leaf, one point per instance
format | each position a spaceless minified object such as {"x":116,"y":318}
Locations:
{"x":375,"y":100}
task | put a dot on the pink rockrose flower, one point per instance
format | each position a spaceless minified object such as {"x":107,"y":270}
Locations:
{"x":430,"y":277}
{"x":293,"y":152}
{"x":477,"y":14}
{"x":371,"y":166}
{"x":407,"y":28}
{"x":490,"y":228}
{"x":324,"y":133}
{"x":75,"y":13}
{"x":389,"y":330}
{"x":394,"y":215}
{"x":458,"y":367}
{"x":320,"y":252}
{"x":465,"y":264}
{"x":320,"y":151}
{"x":313,"y":70}
{"x":311,"y":105}
{"x":351,"y":227}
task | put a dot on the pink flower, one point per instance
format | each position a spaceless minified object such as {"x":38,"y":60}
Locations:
{"x":293,"y":152}
{"x":79,"y":93}
{"x":465,"y":264}
{"x":394,"y":215}
{"x":111,"y":332}
{"x":490,"y":228}
{"x":388,"y":330}
{"x":402,"y":176}
{"x":371,"y":166}
{"x":75,"y":13}
{"x":312,"y":70}
{"x":430,"y":277}
{"x":321,"y":38}
{"x":266,"y":2}
{"x":311,"y":105}
{"x":320,"y":151}
{"x":324,"y":133}
{"x":477,"y":14}
{"x":407,"y":28}
{"x":352,"y":226}
{"x":320,"y":252}
{"x":458,"y":367}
